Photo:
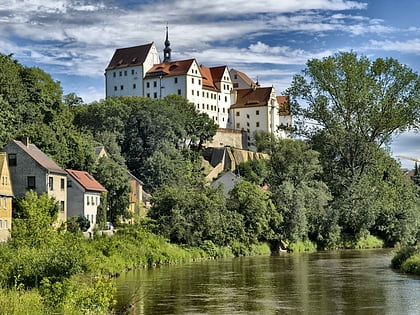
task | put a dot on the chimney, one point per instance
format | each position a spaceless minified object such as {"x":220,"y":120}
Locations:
{"x":25,"y":141}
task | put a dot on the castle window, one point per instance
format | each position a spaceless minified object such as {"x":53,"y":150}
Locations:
{"x":115,"y":88}
{"x":134,"y":86}
{"x":198,"y":93}
{"x":179,"y":91}
{"x":62,"y":205}
{"x":225,"y":98}
{"x":114,"y":74}
{"x":192,"y":92}
{"x":120,"y":73}
{"x":247,"y":116}
{"x":132,"y":71}
{"x":154,"y":83}
{"x":257,"y":124}
{"x":237,"y":113}
{"x":247,"y":124}
{"x":207,"y":106}
{"x":148,"y":84}
{"x":257,"y":112}
{"x":199,"y":81}
{"x":62,"y":184}
{"x":192,"y":80}
{"x":175,"y":80}
{"x":155,"y":95}
{"x":125,"y":73}
{"x":122,"y":87}
{"x":238,"y":125}
{"x":148,"y":95}
{"x":51,"y":183}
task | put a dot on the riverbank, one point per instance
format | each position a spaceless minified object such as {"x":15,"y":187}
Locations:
{"x":407,"y":260}
{"x":69,"y":274}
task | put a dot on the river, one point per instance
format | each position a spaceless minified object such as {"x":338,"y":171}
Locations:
{"x":336,"y":282}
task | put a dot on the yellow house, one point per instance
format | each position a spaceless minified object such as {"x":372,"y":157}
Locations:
{"x":6,"y":194}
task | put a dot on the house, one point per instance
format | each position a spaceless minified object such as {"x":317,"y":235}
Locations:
{"x":137,"y":206}
{"x":31,"y":169}
{"x":100,"y":152}
{"x":258,"y":109}
{"x":6,"y":194}
{"x":83,"y":195}
{"x":227,"y":181}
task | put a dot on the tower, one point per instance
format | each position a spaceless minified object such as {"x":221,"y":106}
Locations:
{"x":167,"y":50}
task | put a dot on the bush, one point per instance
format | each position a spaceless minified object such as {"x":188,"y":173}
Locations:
{"x":302,"y":246}
{"x":402,"y":255}
{"x":412,"y":265}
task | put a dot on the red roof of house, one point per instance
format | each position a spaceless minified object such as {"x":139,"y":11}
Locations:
{"x":129,"y":57}
{"x":217,"y":73}
{"x":284,"y":105}
{"x":252,"y":97}
{"x":208,"y":81}
{"x":173,"y":68}
{"x":86,"y":180}
{"x":40,"y":157}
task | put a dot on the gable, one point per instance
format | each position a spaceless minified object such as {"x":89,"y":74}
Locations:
{"x":5,"y":179}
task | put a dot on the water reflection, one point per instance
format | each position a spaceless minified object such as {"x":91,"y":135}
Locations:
{"x":342,"y":282}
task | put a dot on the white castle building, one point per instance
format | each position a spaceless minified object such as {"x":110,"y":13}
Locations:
{"x":229,"y":97}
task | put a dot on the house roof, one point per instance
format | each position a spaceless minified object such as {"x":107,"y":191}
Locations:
{"x":135,"y":178}
{"x":40,"y":157}
{"x":284,"y":105}
{"x":245,"y":78}
{"x":217,"y":73}
{"x":129,"y":57}
{"x":208,"y":80}
{"x":86,"y":180}
{"x":173,"y":68}
{"x":252,"y":97}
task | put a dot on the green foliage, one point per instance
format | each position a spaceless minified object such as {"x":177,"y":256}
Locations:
{"x":299,"y":195}
{"x":302,"y":246}
{"x":402,"y":255}
{"x":17,"y":302}
{"x":259,"y":218}
{"x":254,"y":171}
{"x":33,"y":220}
{"x":115,"y":179}
{"x":190,"y":216}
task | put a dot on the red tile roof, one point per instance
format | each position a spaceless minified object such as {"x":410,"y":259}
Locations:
{"x":129,"y":57}
{"x":86,"y":180}
{"x":40,"y":157}
{"x":208,"y":82}
{"x":173,"y":68}
{"x":217,"y":73}
{"x":252,"y":97}
{"x":284,"y":105}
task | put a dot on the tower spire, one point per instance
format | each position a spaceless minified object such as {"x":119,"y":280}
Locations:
{"x":167,"y":50}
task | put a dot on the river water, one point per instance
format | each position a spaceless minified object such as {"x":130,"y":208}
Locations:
{"x":337,"y":282}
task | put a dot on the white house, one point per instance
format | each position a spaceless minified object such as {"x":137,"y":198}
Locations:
{"x":259,"y":109}
{"x":83,"y":195}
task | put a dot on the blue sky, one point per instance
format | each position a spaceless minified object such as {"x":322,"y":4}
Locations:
{"x":271,"y":40}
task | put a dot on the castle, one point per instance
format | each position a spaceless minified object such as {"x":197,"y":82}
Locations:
{"x":228,"y":96}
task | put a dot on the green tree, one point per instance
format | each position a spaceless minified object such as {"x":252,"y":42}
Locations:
{"x":191,"y":216}
{"x":33,"y":220}
{"x":299,"y":195}
{"x":260,"y":219}
{"x":115,"y":179}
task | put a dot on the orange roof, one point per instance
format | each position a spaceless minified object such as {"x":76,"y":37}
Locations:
{"x":284,"y":105}
{"x":208,"y":82}
{"x":86,"y":180}
{"x":252,"y":97}
{"x":170,"y":68}
{"x":131,"y":56}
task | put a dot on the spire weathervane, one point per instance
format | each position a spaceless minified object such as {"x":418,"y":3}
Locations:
{"x":167,"y":50}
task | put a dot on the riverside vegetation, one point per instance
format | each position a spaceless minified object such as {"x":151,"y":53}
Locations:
{"x":338,"y":188}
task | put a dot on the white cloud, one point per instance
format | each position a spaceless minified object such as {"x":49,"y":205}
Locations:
{"x":412,"y":45}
